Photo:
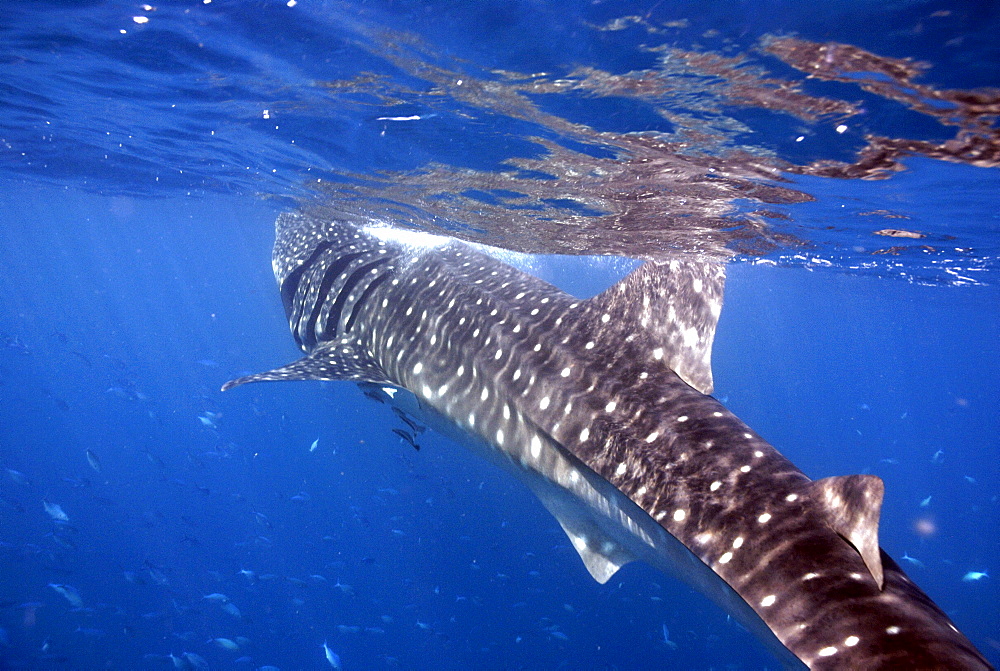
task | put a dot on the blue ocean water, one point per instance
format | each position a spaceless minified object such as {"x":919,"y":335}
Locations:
{"x":145,"y":152}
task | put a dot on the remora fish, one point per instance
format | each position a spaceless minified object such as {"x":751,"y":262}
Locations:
{"x":600,"y":406}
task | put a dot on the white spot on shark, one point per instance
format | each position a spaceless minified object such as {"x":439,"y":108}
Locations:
{"x":691,"y":337}
{"x":536,"y":447}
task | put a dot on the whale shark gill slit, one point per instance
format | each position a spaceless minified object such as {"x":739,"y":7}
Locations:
{"x":365,"y":296}
{"x":334,"y":273}
{"x":346,"y":297}
{"x":290,"y":284}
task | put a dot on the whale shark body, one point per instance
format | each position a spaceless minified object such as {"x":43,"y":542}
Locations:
{"x":601,"y":408}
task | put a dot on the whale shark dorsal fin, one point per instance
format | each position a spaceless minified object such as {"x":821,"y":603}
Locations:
{"x":341,"y":360}
{"x":675,"y":305}
{"x":852,"y":505}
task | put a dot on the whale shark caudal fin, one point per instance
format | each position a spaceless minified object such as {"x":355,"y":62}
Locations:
{"x":852,"y":504}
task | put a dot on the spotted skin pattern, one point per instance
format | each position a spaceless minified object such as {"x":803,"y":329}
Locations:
{"x":572,"y":395}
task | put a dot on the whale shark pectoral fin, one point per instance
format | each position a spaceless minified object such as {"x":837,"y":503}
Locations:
{"x":341,"y":360}
{"x":852,"y":504}
{"x":674,"y":305}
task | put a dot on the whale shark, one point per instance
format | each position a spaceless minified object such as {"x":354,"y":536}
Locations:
{"x":602,"y":407}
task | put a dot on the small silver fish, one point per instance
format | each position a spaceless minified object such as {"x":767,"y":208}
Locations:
{"x":666,"y":638}
{"x":94,"y":462}
{"x":331,"y":656}
{"x":55,"y":511}
{"x":157,"y":576}
{"x":225,"y":643}
{"x":70,"y":592}
{"x":232,"y":610}
{"x":196,"y":661}
{"x":17,"y":476}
